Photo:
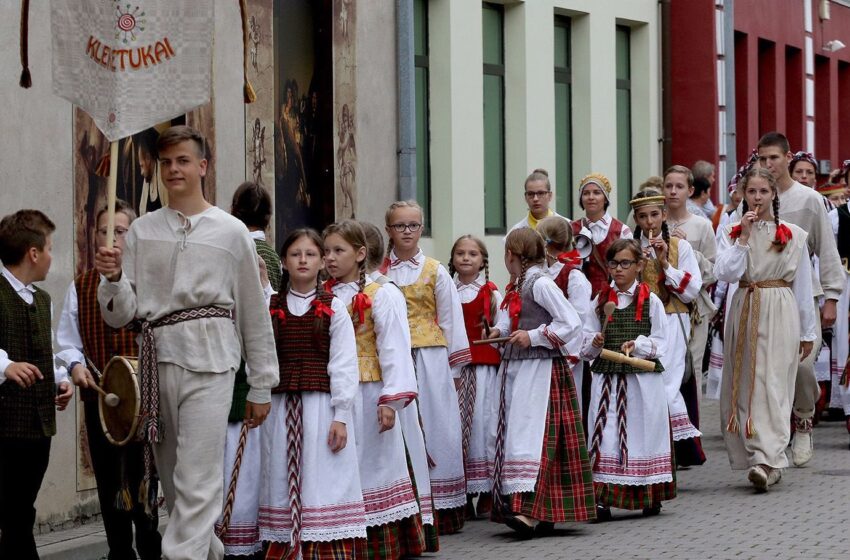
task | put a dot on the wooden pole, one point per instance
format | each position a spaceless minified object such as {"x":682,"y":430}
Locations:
{"x":111,"y":188}
{"x":616,"y":357}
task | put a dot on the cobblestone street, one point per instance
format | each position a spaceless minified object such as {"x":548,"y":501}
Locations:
{"x":716,"y":515}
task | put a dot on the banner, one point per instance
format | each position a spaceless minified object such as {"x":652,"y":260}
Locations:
{"x":132,"y":64}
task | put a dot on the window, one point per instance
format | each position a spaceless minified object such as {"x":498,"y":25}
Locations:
{"x":494,"y":118}
{"x":423,"y":135}
{"x":563,"y":118}
{"x":624,"y":119}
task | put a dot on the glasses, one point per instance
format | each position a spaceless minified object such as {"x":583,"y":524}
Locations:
{"x":625,"y":264}
{"x":401,"y":228}
{"x":531,"y":195}
{"x":119,"y":232}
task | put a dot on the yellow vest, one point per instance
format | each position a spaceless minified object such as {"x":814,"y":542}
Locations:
{"x":652,"y":275}
{"x":421,"y":299}
{"x":367,"y":347}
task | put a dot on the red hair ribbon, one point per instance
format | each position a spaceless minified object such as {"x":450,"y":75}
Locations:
{"x":736,"y":232}
{"x":360,"y":304}
{"x":329,"y":285}
{"x":570,"y":257}
{"x":319,"y":308}
{"x":612,"y":298}
{"x":487,"y":293}
{"x":385,"y":266}
{"x":513,"y":303}
{"x":642,"y":296}
{"x":783,"y":234}
{"x":278,"y":313}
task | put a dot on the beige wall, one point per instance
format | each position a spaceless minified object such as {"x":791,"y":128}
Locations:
{"x":457,"y":144}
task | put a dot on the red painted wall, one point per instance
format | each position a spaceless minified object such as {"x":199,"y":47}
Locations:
{"x":770,"y":78}
{"x":694,"y":129}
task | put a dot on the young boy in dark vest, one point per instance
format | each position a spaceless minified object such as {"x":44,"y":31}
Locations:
{"x":83,"y":337}
{"x":29,"y":385}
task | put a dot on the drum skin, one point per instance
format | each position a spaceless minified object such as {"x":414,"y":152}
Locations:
{"x":120,"y":423}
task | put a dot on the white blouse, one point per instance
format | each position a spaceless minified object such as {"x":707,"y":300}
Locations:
{"x":392,"y":340}
{"x":579,"y":294}
{"x":565,"y":330}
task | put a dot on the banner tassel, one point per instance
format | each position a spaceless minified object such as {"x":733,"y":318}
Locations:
{"x":26,"y":77}
{"x":247,"y":89}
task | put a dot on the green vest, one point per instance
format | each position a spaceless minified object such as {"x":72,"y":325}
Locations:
{"x":25,"y":334}
{"x":240,"y":384}
{"x":622,"y":329}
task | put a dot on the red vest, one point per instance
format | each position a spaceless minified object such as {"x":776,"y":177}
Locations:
{"x":563,"y":278}
{"x":473,"y":320}
{"x":100,"y":341}
{"x":302,"y":354}
{"x":594,"y":266}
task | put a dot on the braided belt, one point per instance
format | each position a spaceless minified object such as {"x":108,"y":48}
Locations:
{"x":602,"y":418}
{"x":751,"y":298}
{"x":150,"y":426}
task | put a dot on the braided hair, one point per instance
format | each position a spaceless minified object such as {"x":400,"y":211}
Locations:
{"x":528,"y":245}
{"x":352,"y":233}
{"x":767,"y":176}
{"x":315,"y":238}
{"x":485,"y":265}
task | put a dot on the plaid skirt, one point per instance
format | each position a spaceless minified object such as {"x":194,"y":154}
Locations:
{"x":395,"y":540}
{"x":344,"y":549}
{"x":564,"y":489}
{"x":626,"y":496}
{"x":414,"y":536}
{"x":449,"y":521}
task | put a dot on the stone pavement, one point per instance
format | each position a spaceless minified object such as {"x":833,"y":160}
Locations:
{"x":717,"y":515}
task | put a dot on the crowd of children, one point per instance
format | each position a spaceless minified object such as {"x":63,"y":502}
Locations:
{"x":396,"y":398}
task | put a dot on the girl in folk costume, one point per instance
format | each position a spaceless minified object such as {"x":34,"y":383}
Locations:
{"x":630,"y":449}
{"x":387,"y":385}
{"x":672,"y":273}
{"x":440,"y":350}
{"x":538,"y":407}
{"x":307,"y":439}
{"x":480,"y":298}
{"x":409,"y":417}
{"x":565,"y":269}
{"x":594,"y":198}
{"x":239,"y":531}
{"x":770,"y":328}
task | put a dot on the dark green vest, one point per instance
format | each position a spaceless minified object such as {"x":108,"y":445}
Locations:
{"x":623,"y":329}
{"x":240,"y":385}
{"x":25,"y":334}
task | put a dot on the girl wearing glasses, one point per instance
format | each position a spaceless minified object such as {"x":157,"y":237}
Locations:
{"x":538,"y":196}
{"x":538,"y":408}
{"x":770,"y":328}
{"x":672,"y":273}
{"x":440,"y":350}
{"x":630,"y":440}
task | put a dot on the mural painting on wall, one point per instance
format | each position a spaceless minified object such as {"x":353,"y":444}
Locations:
{"x":303,"y":134}
{"x":138,"y":183}
{"x":259,"y":116}
{"x":345,"y":99}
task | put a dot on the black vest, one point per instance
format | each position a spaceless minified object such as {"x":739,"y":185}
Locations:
{"x":25,"y":334}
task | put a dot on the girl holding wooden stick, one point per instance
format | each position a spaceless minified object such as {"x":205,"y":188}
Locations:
{"x":630,"y":449}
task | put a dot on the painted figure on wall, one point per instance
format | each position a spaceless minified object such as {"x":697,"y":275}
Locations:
{"x":346,"y":156}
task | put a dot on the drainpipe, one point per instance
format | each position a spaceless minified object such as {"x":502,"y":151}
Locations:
{"x":406,"y":100}
{"x":731,"y":132}
{"x":666,"y":87}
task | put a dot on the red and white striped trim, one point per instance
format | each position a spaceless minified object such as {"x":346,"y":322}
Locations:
{"x":460,"y":357}
{"x":406,"y":397}
{"x":680,"y":289}
{"x":553,"y":338}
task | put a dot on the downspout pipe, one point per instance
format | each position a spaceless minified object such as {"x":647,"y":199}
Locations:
{"x":406,"y":149}
{"x":666,"y":87}
{"x":731,"y":131}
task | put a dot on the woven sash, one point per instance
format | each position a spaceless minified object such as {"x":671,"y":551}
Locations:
{"x":748,"y":325}
{"x":150,"y":425}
